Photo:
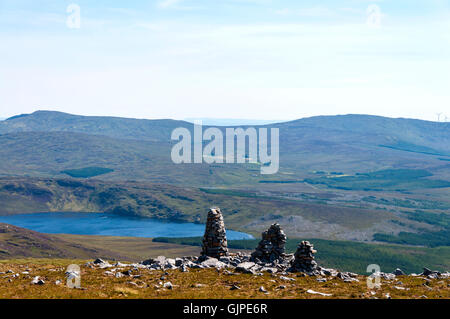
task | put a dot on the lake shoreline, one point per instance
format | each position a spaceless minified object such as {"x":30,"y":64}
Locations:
{"x":105,"y":224}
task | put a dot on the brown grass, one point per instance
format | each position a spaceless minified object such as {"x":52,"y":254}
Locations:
{"x":196,"y":284}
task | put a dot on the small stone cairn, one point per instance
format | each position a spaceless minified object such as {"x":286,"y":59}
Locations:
{"x":304,"y":259}
{"x":272,"y":245}
{"x":215,"y":238}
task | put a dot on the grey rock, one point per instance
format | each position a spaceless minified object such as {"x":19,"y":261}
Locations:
{"x":213,"y":263}
{"x":245,"y":267}
{"x":99,"y":261}
{"x":37,"y":281}
{"x":398,"y":272}
{"x":168,"y":285}
{"x":286,"y":278}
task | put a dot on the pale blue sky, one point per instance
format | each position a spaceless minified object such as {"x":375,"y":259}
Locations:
{"x":257,"y":59}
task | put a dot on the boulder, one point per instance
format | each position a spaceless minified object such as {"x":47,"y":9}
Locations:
{"x":246,"y":267}
{"x":398,"y":272}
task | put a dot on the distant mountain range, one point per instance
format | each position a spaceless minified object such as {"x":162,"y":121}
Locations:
{"x":45,"y":143}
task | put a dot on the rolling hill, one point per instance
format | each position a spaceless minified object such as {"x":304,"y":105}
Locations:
{"x":21,"y":243}
{"x":46,"y":143}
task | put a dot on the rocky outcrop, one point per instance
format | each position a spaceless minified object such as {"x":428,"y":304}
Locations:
{"x":272,"y":245}
{"x":215,"y":239}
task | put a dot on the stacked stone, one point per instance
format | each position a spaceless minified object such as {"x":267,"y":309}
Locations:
{"x":215,"y":239}
{"x":272,"y":245}
{"x":304,"y":258}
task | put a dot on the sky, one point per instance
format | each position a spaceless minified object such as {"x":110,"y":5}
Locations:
{"x":249,"y":59}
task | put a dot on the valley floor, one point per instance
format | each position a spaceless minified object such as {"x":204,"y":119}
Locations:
{"x":16,"y":278}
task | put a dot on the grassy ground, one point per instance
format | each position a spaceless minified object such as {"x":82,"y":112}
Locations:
{"x":196,"y":284}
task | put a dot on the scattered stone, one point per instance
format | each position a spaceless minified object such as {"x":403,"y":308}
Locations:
{"x":213,"y":263}
{"x":215,"y":240}
{"x":58,"y":282}
{"x":400,"y":288}
{"x":398,"y":272}
{"x":184,"y":268}
{"x":310,"y":291}
{"x":37,"y":281}
{"x":246,"y":267}
{"x":168,"y":285}
{"x":287,"y":278}
{"x":432,"y":274}
{"x":234,"y":287}
{"x":270,"y":270}
{"x":328,"y":272}
{"x":99,"y":261}
{"x":321,"y":279}
{"x":282,"y":287}
{"x":262,"y":289}
{"x":383,"y":275}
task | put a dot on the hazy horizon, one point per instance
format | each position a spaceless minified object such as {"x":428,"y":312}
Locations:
{"x":217,"y":121}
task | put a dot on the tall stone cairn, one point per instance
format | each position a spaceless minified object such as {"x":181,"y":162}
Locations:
{"x":215,"y":238}
{"x":304,"y":258}
{"x":272,"y":245}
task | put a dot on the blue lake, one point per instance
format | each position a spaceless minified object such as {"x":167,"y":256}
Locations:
{"x":108,"y":225}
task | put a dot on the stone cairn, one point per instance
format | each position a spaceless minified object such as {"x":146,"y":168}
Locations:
{"x":272,"y":245}
{"x":304,"y":258}
{"x":215,"y":238}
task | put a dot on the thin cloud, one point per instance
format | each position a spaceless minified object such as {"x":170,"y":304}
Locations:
{"x":168,"y":3}
{"x":318,"y":11}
